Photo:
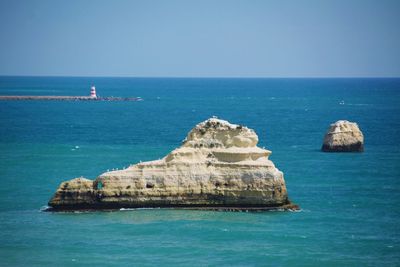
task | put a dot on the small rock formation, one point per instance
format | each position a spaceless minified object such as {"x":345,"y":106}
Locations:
{"x":343,"y":136}
{"x":218,"y":167}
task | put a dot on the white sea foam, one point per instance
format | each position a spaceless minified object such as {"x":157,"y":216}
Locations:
{"x":128,"y":209}
{"x":300,"y":210}
{"x":293,"y":210}
{"x":44,"y":208}
{"x":358,"y":104}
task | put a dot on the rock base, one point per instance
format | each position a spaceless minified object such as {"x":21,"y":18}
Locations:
{"x":286,"y":207}
{"x":357,"y":147}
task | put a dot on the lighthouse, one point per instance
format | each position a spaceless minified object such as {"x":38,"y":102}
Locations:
{"x":93,"y":92}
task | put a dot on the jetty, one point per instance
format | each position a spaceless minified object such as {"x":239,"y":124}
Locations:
{"x":68,"y":98}
{"x":92,"y":97}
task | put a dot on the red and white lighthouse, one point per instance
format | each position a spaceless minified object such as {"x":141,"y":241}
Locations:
{"x":93,"y":92}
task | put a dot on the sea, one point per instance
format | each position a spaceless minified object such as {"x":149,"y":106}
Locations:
{"x":350,"y":202}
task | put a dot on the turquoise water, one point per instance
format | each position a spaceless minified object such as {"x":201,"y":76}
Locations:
{"x":350,"y":202}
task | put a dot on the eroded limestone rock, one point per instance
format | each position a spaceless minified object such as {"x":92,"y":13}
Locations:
{"x":218,"y":166}
{"x":343,"y":136}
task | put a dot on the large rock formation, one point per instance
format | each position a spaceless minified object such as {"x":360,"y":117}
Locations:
{"x":218,"y":166}
{"x":343,"y":136}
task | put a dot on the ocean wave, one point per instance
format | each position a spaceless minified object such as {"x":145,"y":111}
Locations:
{"x":353,"y":104}
{"x":44,"y":208}
{"x":128,"y":209}
{"x":299,"y":210}
{"x":350,"y":104}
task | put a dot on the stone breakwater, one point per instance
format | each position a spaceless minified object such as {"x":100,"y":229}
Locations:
{"x":217,"y":167}
{"x":70,"y":98}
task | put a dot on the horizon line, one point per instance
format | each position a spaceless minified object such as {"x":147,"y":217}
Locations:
{"x":206,"y":77}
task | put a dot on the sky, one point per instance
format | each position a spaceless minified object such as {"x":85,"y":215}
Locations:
{"x":208,"y":38}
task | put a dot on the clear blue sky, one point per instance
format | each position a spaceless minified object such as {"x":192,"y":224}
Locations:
{"x":339,"y":38}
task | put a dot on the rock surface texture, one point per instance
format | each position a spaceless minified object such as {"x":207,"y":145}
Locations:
{"x":343,"y":136}
{"x":218,"y":166}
